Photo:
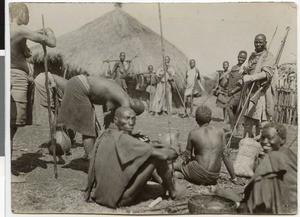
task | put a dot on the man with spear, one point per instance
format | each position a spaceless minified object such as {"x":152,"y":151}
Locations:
{"x":20,"y":79}
{"x":258,"y":76}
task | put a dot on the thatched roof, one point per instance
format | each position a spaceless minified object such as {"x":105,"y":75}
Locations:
{"x":104,"y":38}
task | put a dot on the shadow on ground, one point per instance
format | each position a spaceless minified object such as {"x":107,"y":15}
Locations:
{"x":28,"y":162}
{"x":80,"y":164}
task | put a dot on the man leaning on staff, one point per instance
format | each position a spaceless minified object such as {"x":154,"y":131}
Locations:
{"x":19,"y":78}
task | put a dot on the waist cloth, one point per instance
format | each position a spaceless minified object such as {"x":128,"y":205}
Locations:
{"x":76,"y":111}
{"x":18,"y":97}
{"x":196,"y":174}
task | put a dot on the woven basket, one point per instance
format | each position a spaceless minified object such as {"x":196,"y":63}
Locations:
{"x":204,"y":204}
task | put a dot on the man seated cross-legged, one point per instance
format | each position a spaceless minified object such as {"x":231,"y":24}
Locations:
{"x":204,"y":152}
{"x":121,"y":164}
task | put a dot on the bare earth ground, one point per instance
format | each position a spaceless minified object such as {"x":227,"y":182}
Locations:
{"x":42,"y":193}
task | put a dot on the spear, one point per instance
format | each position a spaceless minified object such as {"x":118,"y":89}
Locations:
{"x":52,"y":130}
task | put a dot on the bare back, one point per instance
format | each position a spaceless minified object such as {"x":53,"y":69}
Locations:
{"x":207,"y":144}
{"x":18,"y":49}
{"x":107,"y":90}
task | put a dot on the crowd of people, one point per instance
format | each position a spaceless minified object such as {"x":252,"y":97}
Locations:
{"x":132,"y":161}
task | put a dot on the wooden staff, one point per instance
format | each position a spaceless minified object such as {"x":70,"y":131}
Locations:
{"x":52,"y":129}
{"x":248,"y":97}
{"x":165,"y":73}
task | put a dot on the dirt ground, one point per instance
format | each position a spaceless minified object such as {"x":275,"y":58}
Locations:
{"x":42,"y":193}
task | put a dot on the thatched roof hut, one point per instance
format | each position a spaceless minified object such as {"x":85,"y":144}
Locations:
{"x":85,"y":49}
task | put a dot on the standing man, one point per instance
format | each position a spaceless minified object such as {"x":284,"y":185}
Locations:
{"x":260,"y":71}
{"x":151,"y":88}
{"x":192,"y":76}
{"x":121,"y":71}
{"x":163,"y":94}
{"x":221,"y":90}
{"x":19,"y":34}
{"x":234,"y":94}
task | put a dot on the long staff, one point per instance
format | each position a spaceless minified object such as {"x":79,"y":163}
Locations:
{"x":52,"y":130}
{"x":165,"y":73}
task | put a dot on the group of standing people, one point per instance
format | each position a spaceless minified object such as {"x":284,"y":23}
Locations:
{"x":248,"y":91}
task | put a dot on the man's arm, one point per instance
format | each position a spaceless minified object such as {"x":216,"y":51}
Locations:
{"x":48,"y":39}
{"x":198,"y":75}
{"x":164,"y":153}
{"x":187,"y":154}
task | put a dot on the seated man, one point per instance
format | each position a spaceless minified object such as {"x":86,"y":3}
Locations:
{"x":77,"y":109}
{"x":121,"y":164}
{"x":273,"y":188}
{"x":204,"y":152}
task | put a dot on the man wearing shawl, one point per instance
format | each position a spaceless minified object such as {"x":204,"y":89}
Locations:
{"x":192,"y":76}
{"x":163,"y":95}
{"x":273,"y":188}
{"x":221,"y":90}
{"x":260,"y":71}
{"x":151,"y":88}
{"x":19,"y":75}
{"x":121,"y":164}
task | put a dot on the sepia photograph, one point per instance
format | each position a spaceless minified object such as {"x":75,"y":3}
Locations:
{"x":152,"y":108}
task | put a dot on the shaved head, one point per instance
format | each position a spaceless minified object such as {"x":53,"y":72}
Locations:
{"x":262,"y":36}
{"x":121,"y":111}
{"x":125,"y":119}
{"x":260,"y":43}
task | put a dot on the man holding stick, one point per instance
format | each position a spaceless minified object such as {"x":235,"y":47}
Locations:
{"x":259,"y":74}
{"x":163,"y":95}
{"x":19,"y":16}
{"x":120,"y":71}
{"x":233,"y":93}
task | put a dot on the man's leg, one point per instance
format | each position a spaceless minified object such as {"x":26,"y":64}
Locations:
{"x":258,"y":127}
{"x":88,"y":144}
{"x":248,"y":127}
{"x":231,"y":117}
{"x":142,"y":176}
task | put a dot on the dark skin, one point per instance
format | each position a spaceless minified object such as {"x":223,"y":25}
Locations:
{"x":19,"y":35}
{"x":107,"y":92}
{"x":241,"y":59}
{"x":187,"y":99}
{"x":110,"y":95}
{"x":205,"y":145}
{"x":260,"y":43}
{"x":270,"y":141}
{"x":125,"y":120}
